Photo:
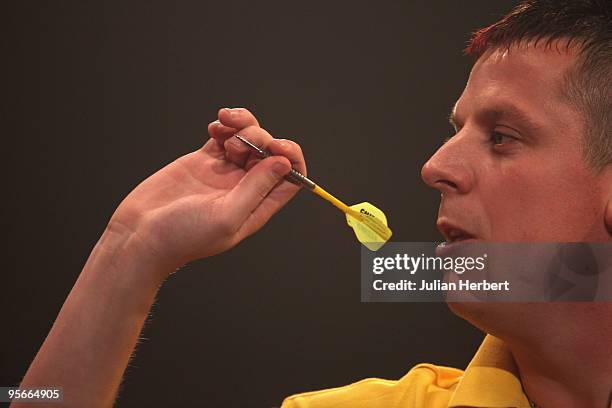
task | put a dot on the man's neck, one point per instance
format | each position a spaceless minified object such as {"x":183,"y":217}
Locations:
{"x":570,"y":364}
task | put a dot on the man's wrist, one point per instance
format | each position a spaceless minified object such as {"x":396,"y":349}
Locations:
{"x":125,"y":251}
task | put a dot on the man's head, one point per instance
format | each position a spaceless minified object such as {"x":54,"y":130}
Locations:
{"x":531,"y":158}
{"x":532,"y":153}
{"x":584,"y":26}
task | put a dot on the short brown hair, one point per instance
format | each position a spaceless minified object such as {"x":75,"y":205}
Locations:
{"x":585,"y":23}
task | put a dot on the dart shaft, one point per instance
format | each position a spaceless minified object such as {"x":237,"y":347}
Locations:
{"x":337,"y":203}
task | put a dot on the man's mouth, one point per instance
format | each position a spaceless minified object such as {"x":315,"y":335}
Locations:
{"x":453,"y":233}
{"x":456,"y":235}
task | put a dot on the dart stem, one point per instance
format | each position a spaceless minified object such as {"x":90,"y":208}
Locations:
{"x":337,"y":203}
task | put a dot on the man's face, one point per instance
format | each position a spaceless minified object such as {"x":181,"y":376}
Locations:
{"x":515,"y":170}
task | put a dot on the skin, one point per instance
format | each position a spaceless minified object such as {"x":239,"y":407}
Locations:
{"x":201,"y":204}
{"x":208,"y":201}
{"x":507,"y":178}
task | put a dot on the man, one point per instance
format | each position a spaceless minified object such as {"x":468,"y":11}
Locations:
{"x":530,"y":161}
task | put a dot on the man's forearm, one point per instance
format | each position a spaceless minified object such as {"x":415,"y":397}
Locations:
{"x":88,"y":348}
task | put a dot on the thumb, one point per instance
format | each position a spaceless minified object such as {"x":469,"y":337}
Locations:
{"x":246,"y":196}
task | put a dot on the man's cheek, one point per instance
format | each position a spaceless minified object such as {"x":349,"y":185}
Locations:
{"x":517,"y":207}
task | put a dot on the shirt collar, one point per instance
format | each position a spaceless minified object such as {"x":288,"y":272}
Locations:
{"x":491,"y":379}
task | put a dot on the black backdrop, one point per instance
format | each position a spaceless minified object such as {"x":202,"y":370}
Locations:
{"x":98,"y":96}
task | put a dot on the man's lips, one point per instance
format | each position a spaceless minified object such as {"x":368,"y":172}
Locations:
{"x":456,"y":237}
{"x":454,"y":232}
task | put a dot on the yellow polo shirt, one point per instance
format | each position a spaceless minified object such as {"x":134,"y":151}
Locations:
{"x":490,"y":380}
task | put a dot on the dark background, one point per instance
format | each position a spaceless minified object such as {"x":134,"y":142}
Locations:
{"x":98,"y":96}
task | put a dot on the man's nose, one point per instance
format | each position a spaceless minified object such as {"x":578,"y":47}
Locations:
{"x":448,"y":169}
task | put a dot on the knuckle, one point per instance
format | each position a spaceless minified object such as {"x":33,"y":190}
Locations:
{"x":246,"y":111}
{"x":212,"y":126}
{"x":250,"y":115}
{"x":292,"y":149}
{"x":293,"y":146}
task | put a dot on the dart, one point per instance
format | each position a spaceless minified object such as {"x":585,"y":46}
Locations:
{"x":367,"y":221}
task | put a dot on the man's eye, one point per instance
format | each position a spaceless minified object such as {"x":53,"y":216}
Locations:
{"x":497,"y":138}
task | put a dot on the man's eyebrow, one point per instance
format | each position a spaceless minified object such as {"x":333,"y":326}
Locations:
{"x":511,"y":113}
{"x":500,"y":112}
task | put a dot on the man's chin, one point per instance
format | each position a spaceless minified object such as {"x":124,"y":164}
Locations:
{"x":508,"y":320}
{"x":490,"y":317}
{"x":473,"y":312}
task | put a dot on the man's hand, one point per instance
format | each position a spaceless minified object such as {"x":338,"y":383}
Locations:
{"x":199,"y":205}
{"x":207,"y":201}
